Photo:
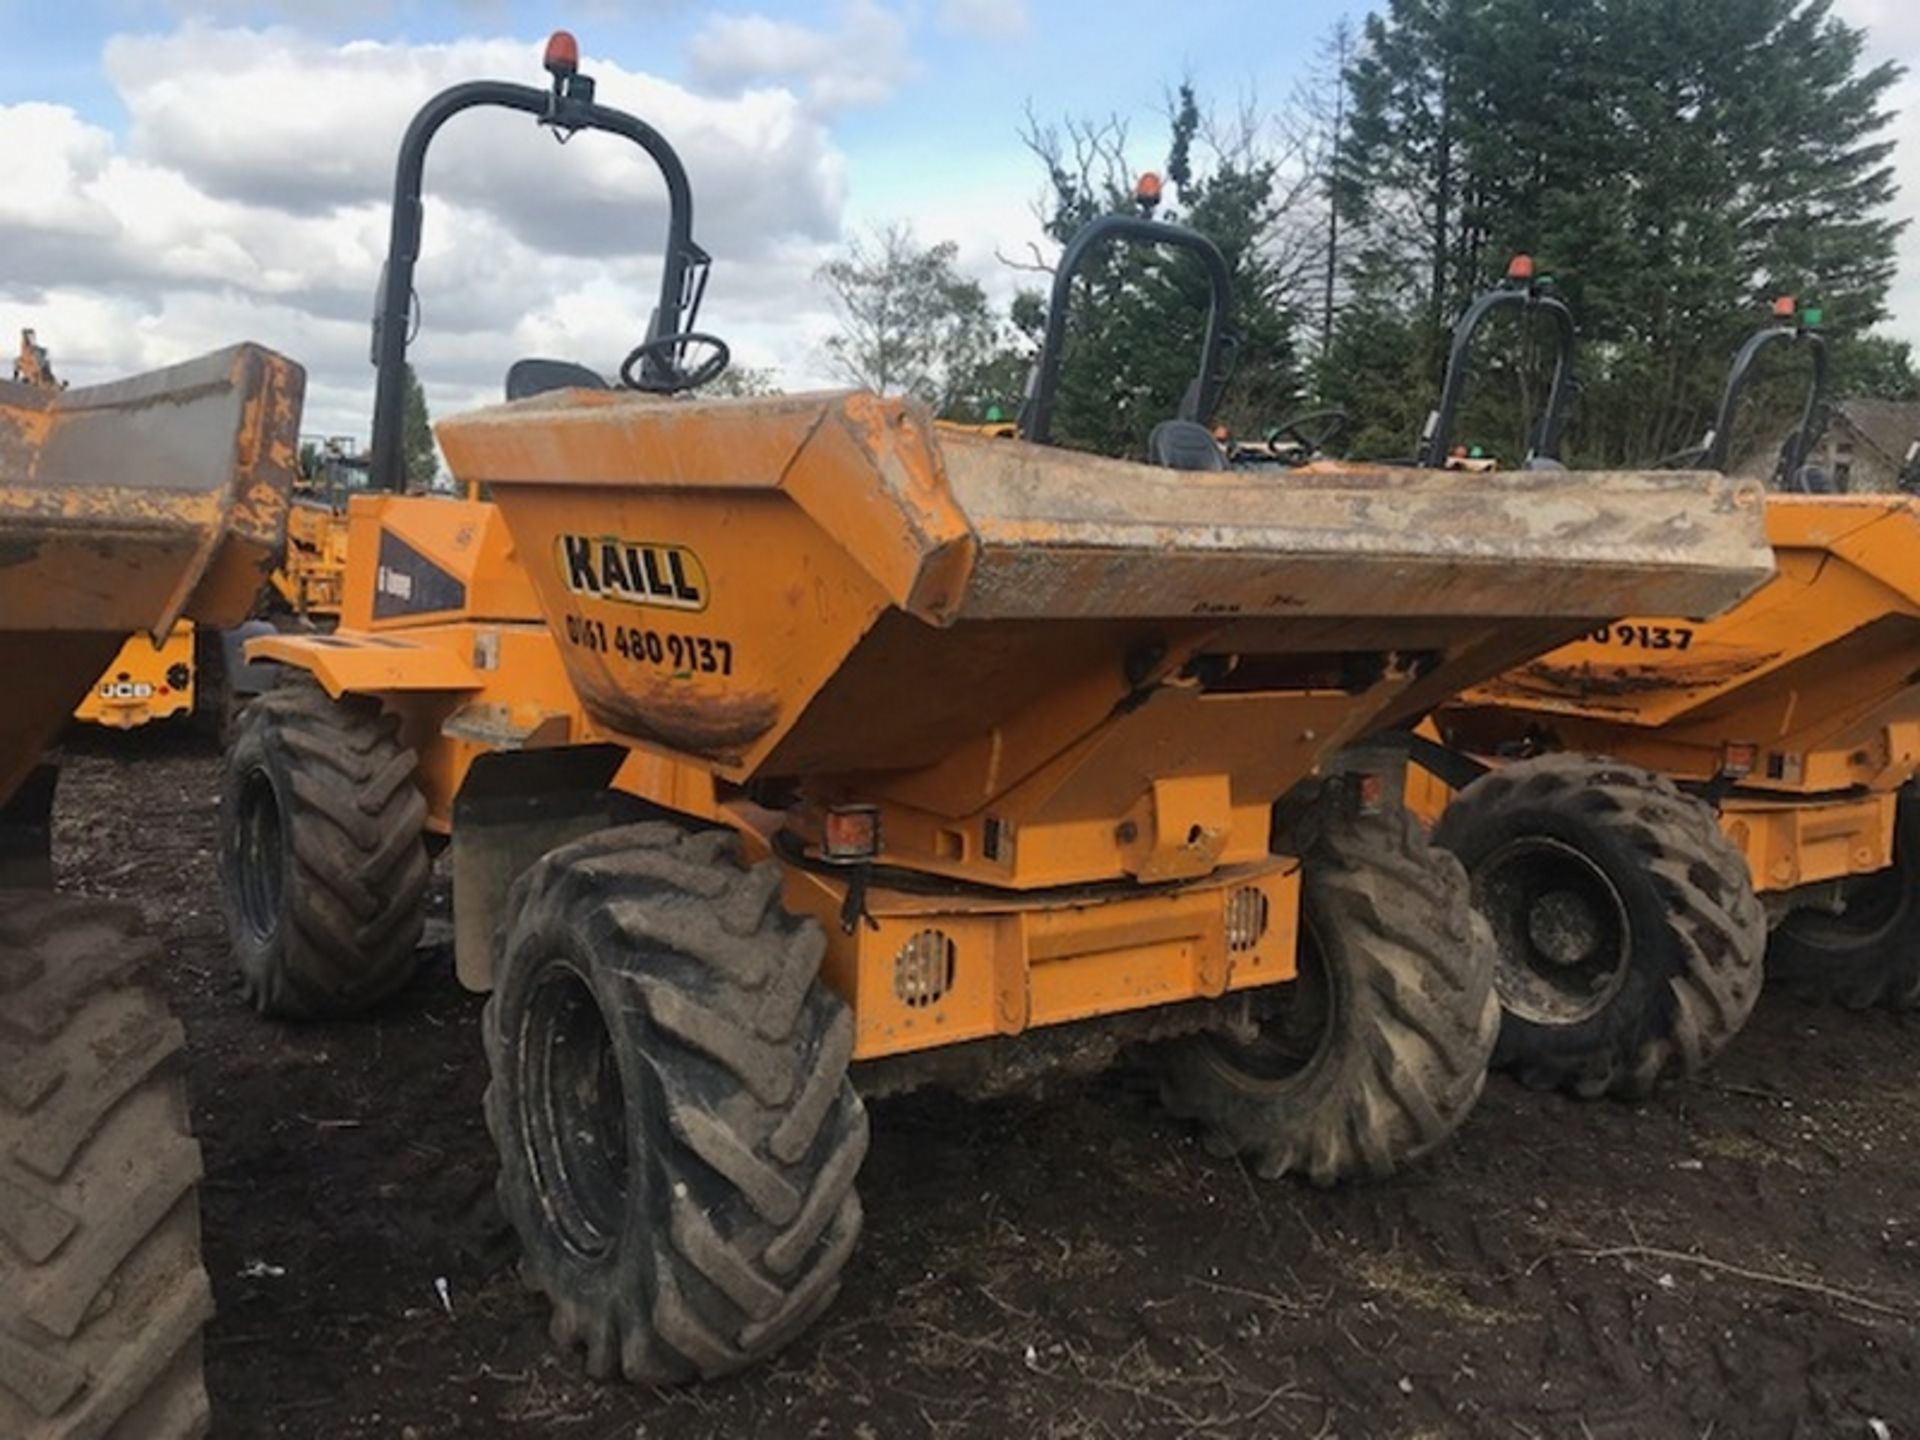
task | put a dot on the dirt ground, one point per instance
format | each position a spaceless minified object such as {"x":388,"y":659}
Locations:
{"x":1739,"y":1258}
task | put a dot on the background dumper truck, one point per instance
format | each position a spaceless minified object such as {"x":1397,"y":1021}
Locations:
{"x":131,"y":505}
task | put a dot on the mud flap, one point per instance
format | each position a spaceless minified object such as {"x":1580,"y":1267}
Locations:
{"x":514,"y":807}
{"x":26,"y":831}
{"x":1454,"y":768}
{"x":247,"y":679}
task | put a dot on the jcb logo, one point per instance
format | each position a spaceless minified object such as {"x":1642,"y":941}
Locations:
{"x":633,"y":572}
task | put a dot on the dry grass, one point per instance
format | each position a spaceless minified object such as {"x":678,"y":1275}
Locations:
{"x":1408,"y":1281}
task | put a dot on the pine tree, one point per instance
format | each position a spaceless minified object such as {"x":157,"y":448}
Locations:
{"x":1138,"y":313}
{"x":1674,"y":164}
{"x":421,"y":460}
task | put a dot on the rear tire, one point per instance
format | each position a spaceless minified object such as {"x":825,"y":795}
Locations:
{"x":323,"y":863}
{"x":102,"y":1295}
{"x":678,"y":1136}
{"x":1869,"y":954}
{"x":1378,"y":1051}
{"x":214,"y":711}
{"x":1629,"y":940}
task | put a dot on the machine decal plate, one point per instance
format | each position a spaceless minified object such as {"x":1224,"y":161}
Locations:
{"x":679,"y":655}
{"x":633,"y":572}
{"x":408,"y":583}
{"x":1647,"y":637}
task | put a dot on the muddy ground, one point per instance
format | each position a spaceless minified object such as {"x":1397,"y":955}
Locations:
{"x":1739,"y":1258}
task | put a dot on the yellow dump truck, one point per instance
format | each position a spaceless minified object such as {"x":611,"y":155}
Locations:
{"x":127,"y":506}
{"x":310,"y":581}
{"x":1626,"y":796}
{"x":933,"y":757}
{"x":150,"y":677}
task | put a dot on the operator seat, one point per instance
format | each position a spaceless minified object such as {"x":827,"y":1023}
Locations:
{"x":537,"y":377}
{"x":1184,"y":445}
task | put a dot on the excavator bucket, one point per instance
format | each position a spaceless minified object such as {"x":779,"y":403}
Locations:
{"x":831,"y":585}
{"x":125,"y":507}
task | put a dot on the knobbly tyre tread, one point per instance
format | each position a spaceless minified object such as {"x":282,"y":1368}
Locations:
{"x":1406,"y":1057}
{"x":735,"y":1238}
{"x":214,"y":711}
{"x":1823,"y":960}
{"x":102,"y":1294}
{"x":353,"y":906}
{"x":1702,"y":960}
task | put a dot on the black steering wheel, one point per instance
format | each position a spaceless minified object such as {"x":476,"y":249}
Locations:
{"x":667,"y":348}
{"x":1311,"y":432}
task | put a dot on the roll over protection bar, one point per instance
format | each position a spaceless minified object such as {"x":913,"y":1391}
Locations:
{"x":565,"y":108}
{"x":1529,"y":294}
{"x":1715,"y":449}
{"x":1203,"y":392}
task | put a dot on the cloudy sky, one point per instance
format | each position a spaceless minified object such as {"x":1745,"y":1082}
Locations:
{"x":176,"y":174}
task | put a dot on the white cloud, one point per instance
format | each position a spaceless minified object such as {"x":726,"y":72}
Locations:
{"x":863,"y":61}
{"x":763,"y":167}
{"x":991,"y":19}
{"x":228,"y":213}
{"x":1893,"y":33}
{"x":1892,"y":26}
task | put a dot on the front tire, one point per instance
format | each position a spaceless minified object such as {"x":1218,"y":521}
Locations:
{"x":1376,"y":1053}
{"x":1869,"y":953}
{"x":323,"y":861}
{"x":102,"y":1295}
{"x":678,"y":1136}
{"x":1629,"y":941}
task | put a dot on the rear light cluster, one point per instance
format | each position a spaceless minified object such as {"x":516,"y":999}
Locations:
{"x":851,"y":833}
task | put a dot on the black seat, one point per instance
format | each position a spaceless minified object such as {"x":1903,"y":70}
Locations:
{"x":1184,"y":445}
{"x":537,"y":377}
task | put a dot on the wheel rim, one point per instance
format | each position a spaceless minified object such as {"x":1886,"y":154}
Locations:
{"x":262,"y":859}
{"x":1562,"y":937}
{"x":1296,"y":1026}
{"x":574,"y":1111}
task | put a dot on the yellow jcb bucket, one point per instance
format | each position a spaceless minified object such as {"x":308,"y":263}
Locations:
{"x":125,"y":506}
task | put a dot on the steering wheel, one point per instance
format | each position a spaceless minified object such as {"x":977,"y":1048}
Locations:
{"x":666,"y":348}
{"x":1312,"y":432}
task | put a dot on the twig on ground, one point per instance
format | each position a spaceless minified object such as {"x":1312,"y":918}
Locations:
{"x":1277,"y":1302}
{"x":1727,"y":1267}
{"x":1750,"y":1092}
{"x":1253,"y":1196}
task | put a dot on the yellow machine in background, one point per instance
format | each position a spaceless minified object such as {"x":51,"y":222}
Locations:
{"x":1641,"y":785}
{"x":144,"y":682}
{"x":849,"y":753}
{"x":123,"y":507}
{"x":31,"y":366}
{"x":310,"y":580}
{"x":149,"y":679}
{"x":1797,"y":714}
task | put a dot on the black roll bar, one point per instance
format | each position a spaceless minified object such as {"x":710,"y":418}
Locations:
{"x":567,"y":107}
{"x":1530,"y":295}
{"x":1203,"y":393}
{"x":1716,"y":448}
